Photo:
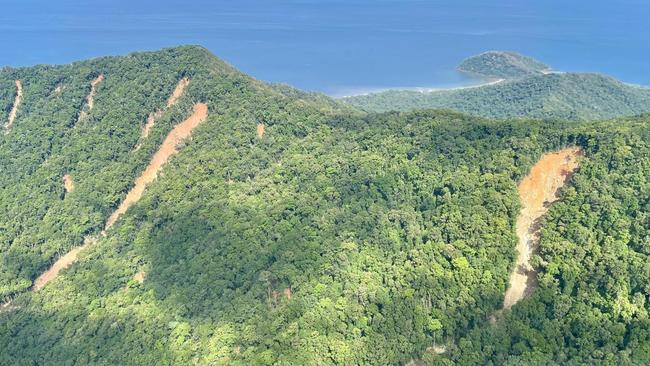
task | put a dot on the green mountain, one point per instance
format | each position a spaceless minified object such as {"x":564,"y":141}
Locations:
{"x":502,"y":65}
{"x":232,"y":222}
{"x":570,"y":96}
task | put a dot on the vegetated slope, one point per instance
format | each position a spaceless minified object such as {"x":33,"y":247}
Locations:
{"x":39,"y":222}
{"x":537,"y":191}
{"x":568,"y":96}
{"x":90,"y":98}
{"x":502,"y":65}
{"x":173,"y":98}
{"x":591,"y":304}
{"x":168,"y":148}
{"x":335,"y":238}
{"x":15,"y":106}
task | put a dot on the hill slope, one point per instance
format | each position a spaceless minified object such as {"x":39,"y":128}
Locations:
{"x":502,"y":65}
{"x":553,"y":96}
{"x":330,"y":237}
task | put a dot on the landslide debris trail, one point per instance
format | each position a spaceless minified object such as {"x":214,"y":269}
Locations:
{"x":168,"y":148}
{"x":15,"y":106}
{"x":90,"y":98}
{"x":537,"y":191}
{"x":173,"y":98}
{"x":68,"y":183}
{"x":61,"y":263}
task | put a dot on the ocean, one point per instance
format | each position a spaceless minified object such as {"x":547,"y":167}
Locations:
{"x":339,"y":47}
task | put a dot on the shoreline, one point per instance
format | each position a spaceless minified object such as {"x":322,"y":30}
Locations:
{"x":423,"y":90}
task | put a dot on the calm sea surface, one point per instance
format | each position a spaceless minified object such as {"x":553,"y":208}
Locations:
{"x":339,"y":47}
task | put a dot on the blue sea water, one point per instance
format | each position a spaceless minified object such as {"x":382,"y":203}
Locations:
{"x":339,"y":47}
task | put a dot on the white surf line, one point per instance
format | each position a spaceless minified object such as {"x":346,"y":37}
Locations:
{"x":15,"y":106}
{"x":169,"y":147}
{"x":422,"y":89}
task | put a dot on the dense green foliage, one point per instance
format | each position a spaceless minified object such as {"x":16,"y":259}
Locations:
{"x":567,"y":96}
{"x":592,"y":304}
{"x":502,"y":65}
{"x":38,"y":221}
{"x":336,"y":238}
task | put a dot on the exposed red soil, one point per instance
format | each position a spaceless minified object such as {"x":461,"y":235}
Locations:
{"x":90,"y":98}
{"x":537,"y":191}
{"x":68,"y":184}
{"x":140,"y":276}
{"x":173,"y":98}
{"x":168,"y":148}
{"x":178,"y":92}
{"x":287,"y":293}
{"x":61,"y":263}
{"x":15,"y":106}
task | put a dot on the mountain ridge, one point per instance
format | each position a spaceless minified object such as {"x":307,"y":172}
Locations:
{"x":293,"y":229}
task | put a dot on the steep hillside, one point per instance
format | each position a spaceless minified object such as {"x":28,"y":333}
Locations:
{"x":289,"y":229}
{"x":502,"y":65}
{"x":84,"y":121}
{"x":550,"y":96}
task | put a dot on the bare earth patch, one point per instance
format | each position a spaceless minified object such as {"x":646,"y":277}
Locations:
{"x":90,"y":98}
{"x":68,"y":184}
{"x":287,"y":293}
{"x":61,"y":263}
{"x":15,"y":106}
{"x":168,"y":148}
{"x":260,"y":130}
{"x":140,"y":276}
{"x":537,"y":191}
{"x":151,"y":119}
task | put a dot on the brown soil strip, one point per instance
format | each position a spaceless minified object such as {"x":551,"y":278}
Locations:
{"x":537,"y":191}
{"x":173,"y":98}
{"x":260,"y":130}
{"x":15,"y":106}
{"x":140,"y":276}
{"x":68,"y":184}
{"x":168,"y":148}
{"x":287,"y":293}
{"x":61,"y":263}
{"x":90,"y":98}
{"x":178,"y":92}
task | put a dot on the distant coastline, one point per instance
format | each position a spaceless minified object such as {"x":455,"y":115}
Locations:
{"x":424,"y":90}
